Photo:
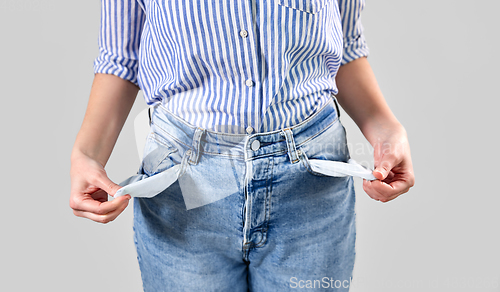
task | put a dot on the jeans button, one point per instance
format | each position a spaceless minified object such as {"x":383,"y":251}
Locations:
{"x":255,"y":145}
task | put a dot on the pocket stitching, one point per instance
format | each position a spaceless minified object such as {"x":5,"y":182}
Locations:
{"x":168,"y":134}
{"x":163,"y":141}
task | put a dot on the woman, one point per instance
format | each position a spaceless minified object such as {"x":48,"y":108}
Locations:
{"x":245,"y":121}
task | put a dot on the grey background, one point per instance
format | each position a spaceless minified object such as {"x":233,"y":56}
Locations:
{"x":436,"y":62}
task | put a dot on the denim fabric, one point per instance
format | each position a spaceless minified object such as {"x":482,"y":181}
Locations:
{"x":148,"y":184}
{"x":274,"y":223}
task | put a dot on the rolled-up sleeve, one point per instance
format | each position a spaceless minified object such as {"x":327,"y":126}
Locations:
{"x":354,"y":40}
{"x":119,"y":39}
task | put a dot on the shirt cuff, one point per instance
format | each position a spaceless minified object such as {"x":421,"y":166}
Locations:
{"x":354,"y":50}
{"x":122,"y":67}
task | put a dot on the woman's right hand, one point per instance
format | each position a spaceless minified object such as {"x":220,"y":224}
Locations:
{"x":90,"y":187}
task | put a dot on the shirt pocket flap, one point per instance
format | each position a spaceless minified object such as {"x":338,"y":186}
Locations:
{"x":309,"y":6}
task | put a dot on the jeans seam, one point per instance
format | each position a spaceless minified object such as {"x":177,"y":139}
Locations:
{"x":222,"y":154}
{"x":171,"y":136}
{"x":171,"y":147}
{"x":318,"y":133}
{"x":281,"y":152}
{"x":269,"y":183}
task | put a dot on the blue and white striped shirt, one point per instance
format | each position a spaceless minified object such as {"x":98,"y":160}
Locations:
{"x":226,"y":65}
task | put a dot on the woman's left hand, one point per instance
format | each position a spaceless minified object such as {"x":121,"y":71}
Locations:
{"x":392,"y":161}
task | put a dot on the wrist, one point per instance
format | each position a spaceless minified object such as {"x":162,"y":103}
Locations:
{"x":77,"y":154}
{"x":381,"y":128}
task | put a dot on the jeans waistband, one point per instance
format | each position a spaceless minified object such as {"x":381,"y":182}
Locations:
{"x":195,"y":142}
{"x":242,"y":146}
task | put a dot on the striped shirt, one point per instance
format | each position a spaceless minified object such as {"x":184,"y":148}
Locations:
{"x":231,"y":65}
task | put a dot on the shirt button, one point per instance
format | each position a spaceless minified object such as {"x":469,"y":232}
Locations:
{"x":249,"y":130}
{"x":255,"y":145}
{"x":243,"y":33}
{"x":249,"y":83}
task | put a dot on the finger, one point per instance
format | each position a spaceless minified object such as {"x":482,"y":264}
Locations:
{"x":374,"y":194}
{"x":383,"y":191}
{"x":385,"y":165}
{"x":390,"y":177}
{"x":86,"y":203}
{"x":395,"y":196}
{"x":99,"y":195}
{"x":105,"y":218}
{"x":102,"y":181}
{"x":102,"y":218}
{"x":385,"y":200}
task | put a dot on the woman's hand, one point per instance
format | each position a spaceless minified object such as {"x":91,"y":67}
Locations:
{"x":111,"y":99}
{"x":90,"y":187}
{"x":392,"y":161}
{"x":360,"y":96}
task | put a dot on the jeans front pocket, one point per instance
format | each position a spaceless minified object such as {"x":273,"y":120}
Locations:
{"x":157,"y":172}
{"x":329,"y":145}
{"x":327,"y":154}
{"x":309,"y":6}
{"x":157,"y":152}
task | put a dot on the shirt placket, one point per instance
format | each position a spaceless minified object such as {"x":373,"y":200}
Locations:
{"x":251,"y":77}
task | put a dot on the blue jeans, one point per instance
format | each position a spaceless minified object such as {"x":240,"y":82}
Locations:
{"x":270,"y":223}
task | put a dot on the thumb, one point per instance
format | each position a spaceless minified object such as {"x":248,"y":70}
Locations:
{"x":382,"y":170}
{"x":104,"y":183}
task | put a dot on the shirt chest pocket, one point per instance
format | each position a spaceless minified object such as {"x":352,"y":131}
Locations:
{"x":309,"y":6}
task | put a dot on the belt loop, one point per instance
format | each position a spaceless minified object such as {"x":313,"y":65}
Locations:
{"x":195,"y":153}
{"x":336,"y":105}
{"x":290,"y":144}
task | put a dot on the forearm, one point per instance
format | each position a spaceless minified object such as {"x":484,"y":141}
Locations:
{"x":111,"y":99}
{"x":361,"y":98}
